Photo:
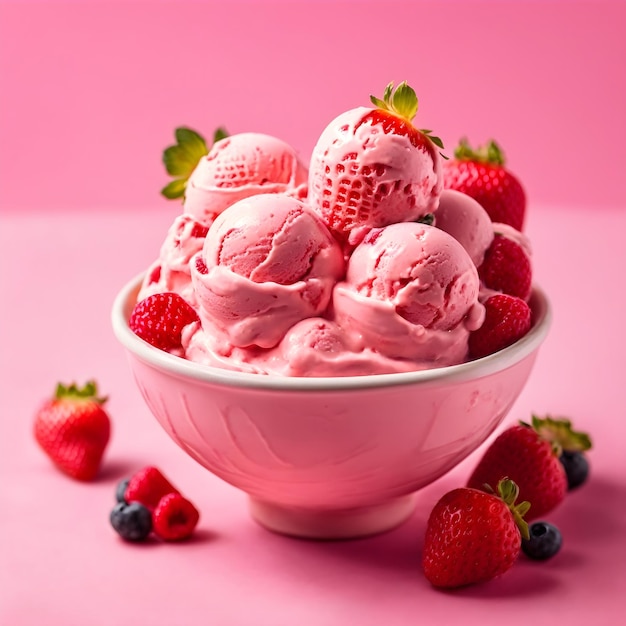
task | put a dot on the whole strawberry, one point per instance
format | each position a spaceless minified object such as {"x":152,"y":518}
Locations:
{"x":481,"y":174}
{"x":529,"y":455}
{"x":506,"y":268}
{"x":73,"y":429}
{"x":159,"y":319}
{"x":372,"y":167}
{"x":507,"y":319}
{"x":473,"y":536}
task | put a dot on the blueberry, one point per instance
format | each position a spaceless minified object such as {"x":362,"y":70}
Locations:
{"x":576,"y":468}
{"x":545,"y":541}
{"x":132,"y":522}
{"x":120,"y":490}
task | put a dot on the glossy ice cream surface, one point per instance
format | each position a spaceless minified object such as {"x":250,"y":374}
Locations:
{"x":268,"y":262}
{"x":362,"y":177}
{"x":238,"y":167}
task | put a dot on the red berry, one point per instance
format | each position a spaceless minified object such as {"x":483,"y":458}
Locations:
{"x":506,"y":268}
{"x":473,"y":536}
{"x":174,"y":518}
{"x":481,"y":174}
{"x":507,"y":319}
{"x":148,"y":486}
{"x":529,"y":455}
{"x":73,"y":429}
{"x":356,"y":185}
{"x":159,"y":319}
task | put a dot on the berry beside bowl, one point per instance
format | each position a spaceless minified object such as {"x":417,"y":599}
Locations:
{"x":329,"y":458}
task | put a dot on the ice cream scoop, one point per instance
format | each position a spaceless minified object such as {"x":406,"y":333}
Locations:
{"x":411,"y":292}
{"x":171,"y":272}
{"x":268,"y":262}
{"x":372,"y":167}
{"x":465,"y":219}
{"x":240,"y":166}
{"x":320,"y":347}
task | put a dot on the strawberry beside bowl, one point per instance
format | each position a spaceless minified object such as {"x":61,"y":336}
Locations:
{"x":329,"y":457}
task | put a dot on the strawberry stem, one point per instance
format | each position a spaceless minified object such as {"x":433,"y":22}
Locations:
{"x":509,"y":492}
{"x":403,"y":102}
{"x":559,"y":432}
{"x":181,"y":159}
{"x":491,"y":153}
{"x":74,"y":392}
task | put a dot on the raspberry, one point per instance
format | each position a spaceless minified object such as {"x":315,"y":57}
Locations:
{"x":148,"y":486}
{"x":160,"y":319}
{"x":507,"y":319}
{"x":506,"y":268}
{"x":174,"y":518}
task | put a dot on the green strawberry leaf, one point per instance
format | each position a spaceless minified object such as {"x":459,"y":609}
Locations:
{"x":219,"y":134}
{"x":560,"y":433}
{"x":402,"y":101}
{"x":381,"y":104}
{"x":175,"y":189}
{"x":74,"y":392}
{"x":181,"y":159}
{"x":405,"y":101}
{"x":508,"y":492}
{"x":491,"y":154}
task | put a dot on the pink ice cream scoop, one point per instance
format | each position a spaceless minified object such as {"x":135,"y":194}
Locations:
{"x":268,"y":262}
{"x":411,"y":292}
{"x":240,"y":166}
{"x":465,"y":219}
{"x":171,"y":272}
{"x":320,"y":347}
{"x":368,"y":169}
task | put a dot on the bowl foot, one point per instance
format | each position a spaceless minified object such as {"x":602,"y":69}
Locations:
{"x":332,"y":523}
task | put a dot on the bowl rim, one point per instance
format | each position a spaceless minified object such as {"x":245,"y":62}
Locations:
{"x":471,"y":370}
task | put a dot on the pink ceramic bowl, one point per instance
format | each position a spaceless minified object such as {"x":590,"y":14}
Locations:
{"x":329,"y":457}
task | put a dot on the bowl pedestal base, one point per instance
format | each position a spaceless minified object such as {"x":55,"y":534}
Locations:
{"x":332,"y":523}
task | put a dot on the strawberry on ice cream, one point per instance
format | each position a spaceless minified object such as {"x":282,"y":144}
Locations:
{"x":268,"y":262}
{"x":372,"y":167}
{"x":240,"y":166}
{"x":411,"y":291}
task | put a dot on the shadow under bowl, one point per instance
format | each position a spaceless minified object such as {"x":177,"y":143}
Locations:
{"x":329,"y":457}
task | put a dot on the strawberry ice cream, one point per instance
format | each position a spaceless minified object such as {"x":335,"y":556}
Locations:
{"x":240,"y":166}
{"x":465,"y":219}
{"x":268,"y":262}
{"x":171,"y":271}
{"x":371,"y":168}
{"x":321,"y":347}
{"x":370,"y":268}
{"x":411,"y":291}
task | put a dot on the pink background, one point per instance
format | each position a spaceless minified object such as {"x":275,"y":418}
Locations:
{"x":91,"y":91}
{"x":89,"y":95}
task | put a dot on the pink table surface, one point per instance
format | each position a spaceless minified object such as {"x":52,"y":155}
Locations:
{"x":61,"y":563}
